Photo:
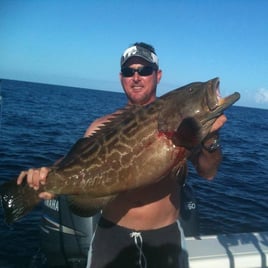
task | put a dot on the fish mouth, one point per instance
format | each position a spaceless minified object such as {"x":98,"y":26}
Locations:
{"x":215,"y":102}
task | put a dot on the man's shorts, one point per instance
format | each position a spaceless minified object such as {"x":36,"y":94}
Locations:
{"x":116,"y":246}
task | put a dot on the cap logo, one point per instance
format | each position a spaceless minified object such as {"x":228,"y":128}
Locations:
{"x":139,"y":52}
{"x":131,"y":51}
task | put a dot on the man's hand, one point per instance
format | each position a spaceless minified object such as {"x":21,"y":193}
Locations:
{"x":34,"y":178}
{"x":220,"y":121}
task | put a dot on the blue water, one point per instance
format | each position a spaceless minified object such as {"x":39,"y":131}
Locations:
{"x":40,"y":122}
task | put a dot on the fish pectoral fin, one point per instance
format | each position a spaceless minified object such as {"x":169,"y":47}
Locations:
{"x":87,"y":206}
{"x":188,"y":134}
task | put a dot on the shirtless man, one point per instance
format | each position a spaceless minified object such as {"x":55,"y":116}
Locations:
{"x":140,"y":228}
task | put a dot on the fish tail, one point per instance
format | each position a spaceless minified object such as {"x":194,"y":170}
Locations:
{"x":17,"y":200}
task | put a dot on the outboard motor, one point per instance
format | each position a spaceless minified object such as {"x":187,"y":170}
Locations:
{"x":65,"y":237}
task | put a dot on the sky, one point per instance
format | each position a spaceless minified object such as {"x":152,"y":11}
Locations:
{"x":79,"y":43}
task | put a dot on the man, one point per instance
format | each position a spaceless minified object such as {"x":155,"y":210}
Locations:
{"x":140,"y":228}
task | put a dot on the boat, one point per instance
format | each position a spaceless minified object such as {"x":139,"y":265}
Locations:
{"x":65,"y":239}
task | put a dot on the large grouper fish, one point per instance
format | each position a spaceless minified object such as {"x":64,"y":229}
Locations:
{"x":138,"y":146}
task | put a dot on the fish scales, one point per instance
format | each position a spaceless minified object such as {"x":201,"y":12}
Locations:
{"x":136,"y":158}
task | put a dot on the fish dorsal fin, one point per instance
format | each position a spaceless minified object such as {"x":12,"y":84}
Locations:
{"x":120,"y":117}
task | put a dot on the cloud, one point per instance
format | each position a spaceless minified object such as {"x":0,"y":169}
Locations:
{"x":261,"y":95}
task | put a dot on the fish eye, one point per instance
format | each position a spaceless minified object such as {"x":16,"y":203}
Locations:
{"x":190,"y":90}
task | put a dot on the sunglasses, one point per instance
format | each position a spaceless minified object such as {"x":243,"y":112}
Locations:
{"x":142,"y":71}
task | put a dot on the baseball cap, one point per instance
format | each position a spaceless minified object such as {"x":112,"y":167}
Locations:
{"x":139,"y":51}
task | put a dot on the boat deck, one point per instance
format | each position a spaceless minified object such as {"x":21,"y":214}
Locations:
{"x":244,"y":250}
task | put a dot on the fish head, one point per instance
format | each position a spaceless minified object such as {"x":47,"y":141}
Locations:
{"x":199,"y":103}
{"x":208,"y":104}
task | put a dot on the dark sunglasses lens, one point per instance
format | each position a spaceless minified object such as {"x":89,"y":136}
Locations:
{"x":143,"y":71}
{"x":127,"y":72}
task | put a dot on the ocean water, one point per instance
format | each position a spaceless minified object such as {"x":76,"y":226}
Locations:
{"x":40,"y":122}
